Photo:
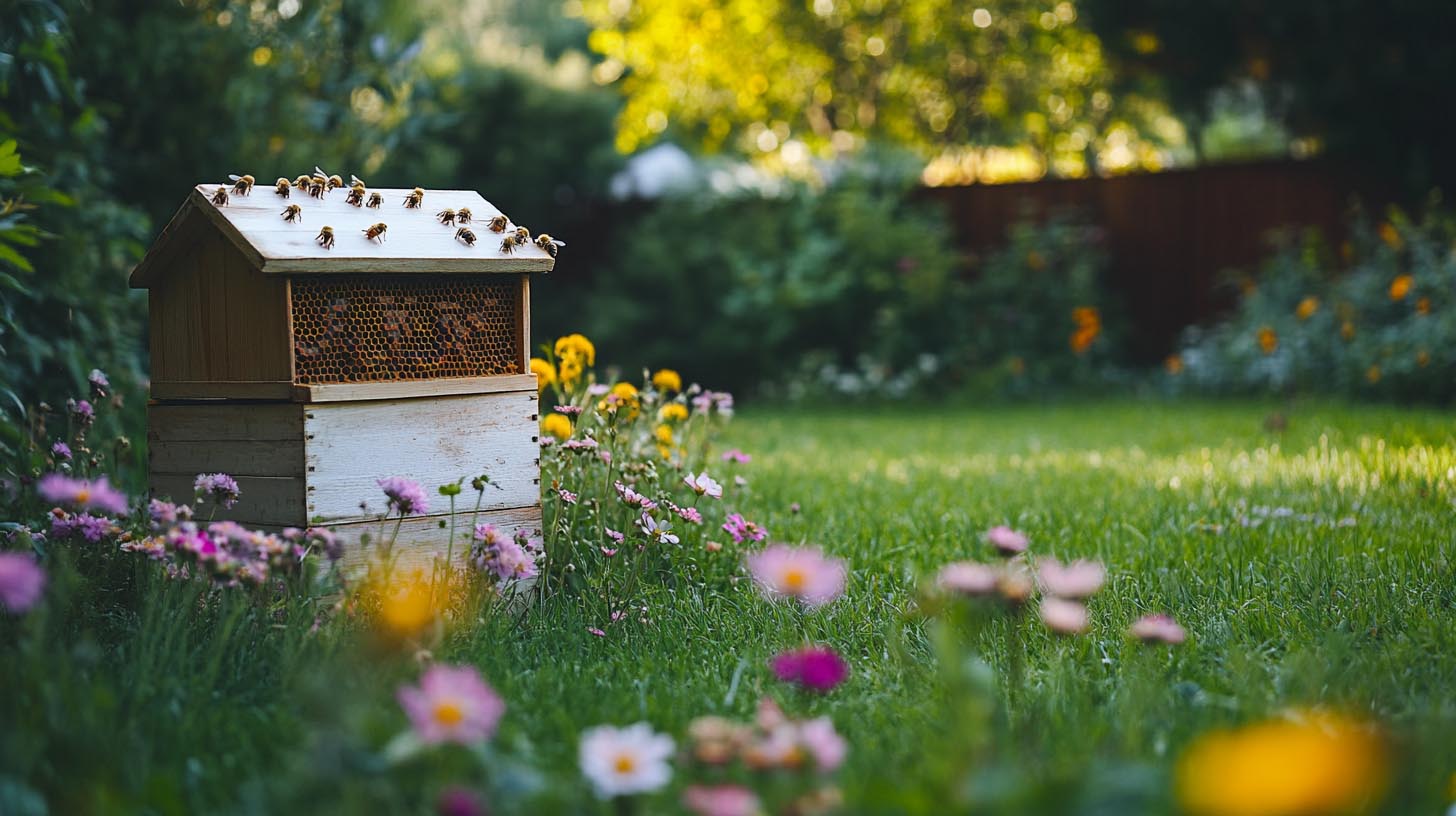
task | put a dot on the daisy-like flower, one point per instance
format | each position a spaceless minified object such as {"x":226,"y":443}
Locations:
{"x":1007,"y":541}
{"x":704,"y":485}
{"x":21,"y":582}
{"x":81,"y":494}
{"x":61,"y":451}
{"x":818,"y":668}
{"x":614,"y":535}
{"x":220,"y":488}
{"x":824,"y":743}
{"x":658,"y":531}
{"x":1158,"y":629}
{"x":738,"y":456}
{"x":452,"y":704}
{"x":969,"y":578}
{"x":566,"y":496}
{"x":804,"y":574}
{"x":406,"y":497}
{"x":82,"y":411}
{"x":88,"y":527}
{"x":742,"y":529}
{"x":721,"y":800}
{"x":1079,"y":579}
{"x":625,"y":761}
{"x":1063,"y":616}
{"x":688,"y":514}
{"x":632,"y":498}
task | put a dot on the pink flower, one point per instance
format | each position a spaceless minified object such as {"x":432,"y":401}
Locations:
{"x":221,"y":488}
{"x":819,"y":668}
{"x":1158,"y":629}
{"x":802,"y":573}
{"x":1079,"y":579}
{"x":703,"y":485}
{"x":21,"y":582}
{"x":614,"y":535}
{"x":596,"y":631}
{"x":824,"y":743}
{"x":737,"y":456}
{"x":460,"y":802}
{"x":452,"y":704}
{"x":88,"y":527}
{"x":569,"y":410}
{"x":82,"y":410}
{"x":632,"y":498}
{"x":969,"y":578}
{"x":743,"y":530}
{"x":625,"y":761}
{"x":566,"y":496}
{"x":406,"y":497}
{"x":1064,"y":617}
{"x":720,"y":800}
{"x":1007,"y":541}
{"x":82,"y":494}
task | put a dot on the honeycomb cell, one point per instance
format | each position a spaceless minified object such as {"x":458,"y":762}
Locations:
{"x":381,"y":328}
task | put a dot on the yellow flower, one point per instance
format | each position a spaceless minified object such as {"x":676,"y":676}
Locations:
{"x":1423,"y":358}
{"x":1391,"y":236}
{"x":1268,"y":340}
{"x":663,"y":434}
{"x":1347,"y":330}
{"x":673,"y":412}
{"x":570,"y":371}
{"x":666,"y":380}
{"x":1372,"y":374}
{"x":576,"y":345}
{"x":1312,"y":764}
{"x":622,"y":397}
{"x":406,"y":608}
{"x":557,"y":425}
{"x":1423,"y":306}
{"x":1173,"y":365}
{"x":1400,"y":287}
{"x":1307,"y":307}
{"x":545,"y":373}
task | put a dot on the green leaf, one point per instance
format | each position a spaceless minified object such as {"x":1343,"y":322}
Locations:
{"x":15,"y":258}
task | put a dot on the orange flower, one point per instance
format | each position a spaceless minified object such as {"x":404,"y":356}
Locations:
{"x":1081,"y":340}
{"x":1268,"y":340}
{"x":1423,"y":306}
{"x":1401,"y":286}
{"x":1391,"y":236}
{"x":1089,"y":326}
{"x":1347,"y":330}
{"x":1372,"y":374}
{"x":1173,"y":365}
{"x":1307,"y":307}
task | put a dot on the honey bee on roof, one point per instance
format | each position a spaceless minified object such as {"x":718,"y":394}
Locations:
{"x":220,"y":197}
{"x":499,"y":223}
{"x":508,"y":244}
{"x":302,"y":182}
{"x":335,"y":181}
{"x":242,"y":185}
{"x":521,"y":236}
{"x":356,"y":195}
{"x":375,"y":201}
{"x":325,"y":238}
{"x":292,"y":213}
{"x":282,"y":187}
{"x":317,"y":188}
{"x":376,"y":232}
{"x":465,"y":236}
{"x":415,"y":198}
{"x":549,"y":244}
{"x":463,"y":216}
{"x":446,"y":217}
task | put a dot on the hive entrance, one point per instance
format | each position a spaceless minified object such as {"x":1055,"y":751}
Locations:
{"x":379,"y":328}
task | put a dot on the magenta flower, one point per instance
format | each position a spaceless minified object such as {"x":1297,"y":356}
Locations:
{"x":82,"y":494}
{"x":21,"y":582}
{"x":1079,"y":579}
{"x":969,"y":578}
{"x":452,"y":704}
{"x":1158,"y":629}
{"x":743,"y":530}
{"x":220,"y":488}
{"x":688,"y":514}
{"x":818,"y":668}
{"x":1063,"y":616}
{"x":569,"y":410}
{"x":721,"y":800}
{"x":460,"y":802}
{"x":82,"y":411}
{"x":566,"y":495}
{"x":738,"y":456}
{"x":804,"y":574}
{"x":1007,"y":541}
{"x":406,"y":497}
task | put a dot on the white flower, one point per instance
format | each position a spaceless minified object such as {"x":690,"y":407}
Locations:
{"x":659,"y":532}
{"x":703,"y":485}
{"x":624,"y":761}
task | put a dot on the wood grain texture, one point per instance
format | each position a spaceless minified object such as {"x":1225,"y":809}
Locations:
{"x":423,"y":539}
{"x":223,"y":421}
{"x":405,"y":389}
{"x":350,"y":446}
{"x":265,"y":500}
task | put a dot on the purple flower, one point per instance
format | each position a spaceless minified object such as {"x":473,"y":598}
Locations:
{"x":460,"y":802}
{"x":99,"y":383}
{"x":82,"y":411}
{"x":743,"y":530}
{"x":452,"y":704}
{"x":21,"y":582}
{"x":220,"y":488}
{"x":81,"y":494}
{"x":818,"y":668}
{"x":165,"y":514}
{"x":496,"y":554}
{"x":86,"y":526}
{"x":61,"y":451}
{"x":569,"y":410}
{"x":406,"y":497}
{"x":614,"y":535}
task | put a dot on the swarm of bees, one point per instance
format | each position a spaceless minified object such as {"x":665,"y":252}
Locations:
{"x":376,"y":232}
{"x":466,"y":236}
{"x":326,"y":238}
{"x":292,"y":213}
{"x":446,"y":217}
{"x":242,"y":185}
{"x":414,"y":199}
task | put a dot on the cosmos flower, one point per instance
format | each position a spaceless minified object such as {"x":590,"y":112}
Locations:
{"x":1063,"y":616}
{"x":721,"y":800}
{"x":703,"y":485}
{"x":1007,"y":541}
{"x":1158,"y":629}
{"x":804,"y":574}
{"x":969,"y":578}
{"x":1079,"y":579}
{"x":452,"y":704}
{"x":632,"y":498}
{"x":625,"y":761}
{"x":406,"y":497}
{"x":742,"y":529}
{"x":818,"y":668}
{"x":659,"y":531}
{"x":737,"y":456}
{"x":81,"y":494}
{"x":21,"y":582}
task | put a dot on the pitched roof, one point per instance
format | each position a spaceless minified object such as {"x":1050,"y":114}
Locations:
{"x":415,"y":241}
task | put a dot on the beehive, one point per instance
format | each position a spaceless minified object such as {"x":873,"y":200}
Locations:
{"x":310,"y":373}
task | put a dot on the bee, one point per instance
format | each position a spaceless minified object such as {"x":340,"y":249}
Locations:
{"x":463,"y":216}
{"x":549,"y":244}
{"x":508,"y":244}
{"x":356,"y":195}
{"x":220,"y":197}
{"x":375,"y":201}
{"x":326,"y":238}
{"x":283,"y":187}
{"x":446,"y":216}
{"x":335,"y":181}
{"x":376,"y":232}
{"x":414,"y":199}
{"x":320,"y":175}
{"x":292,"y":213}
{"x":355,"y":181}
{"x":302,"y":182}
{"x":317,"y":188}
{"x":521,"y":236}
{"x":499,"y":223}
{"x":466,"y":236}
{"x":242,"y":185}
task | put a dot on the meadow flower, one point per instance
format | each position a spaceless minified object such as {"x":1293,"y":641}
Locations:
{"x":21,"y":582}
{"x":557,"y":425}
{"x":506,"y":559}
{"x":82,"y":411}
{"x":1401,"y":286}
{"x":407,"y":607}
{"x":165,"y":513}
{"x":452,"y":704}
{"x":673,"y":412}
{"x":688,"y":514}
{"x":667,"y":381}
{"x":711,"y":401}
{"x":632,"y":498}
{"x":576,"y":346}
{"x":742,"y":529}
{"x":584,"y":444}
{"x":625,"y":761}
{"x":61,"y":451}
{"x":818,"y":668}
{"x":703,"y":485}
{"x":566,"y":495}
{"x":598,"y":389}
{"x":406,"y":497}
{"x":824,"y":744}
{"x":544,"y":371}
{"x":1079,"y":579}
{"x":1306,"y":308}
{"x":614,"y":535}
{"x":84,"y":525}
{"x":716,"y":740}
{"x":968,"y":578}
{"x":1007,"y":541}
{"x":802,"y":573}
{"x":220,"y":488}
{"x":737,"y":456}
{"x":460,"y":802}
{"x":100,"y":385}
{"x":1157,"y":629}
{"x":1268,"y":340}
{"x":721,"y":800}
{"x":661,"y":532}
{"x":81,"y":494}
{"x":569,"y":410}
{"x":1063,"y":616}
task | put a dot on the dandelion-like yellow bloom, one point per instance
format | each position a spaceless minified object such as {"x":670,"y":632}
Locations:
{"x":663,"y":434}
{"x":544,"y":371}
{"x":406,"y":607}
{"x":557,"y":425}
{"x":1372,"y":374}
{"x":667,"y":381}
{"x":1401,"y":286}
{"x":1391,"y":236}
{"x":1423,"y":306}
{"x":1423,"y":358}
{"x":570,"y":372}
{"x":623,"y":398}
{"x":1268,"y":340}
{"x":1307,"y":307}
{"x":1173,"y":365}
{"x":673,"y":412}
{"x":1347,"y":331}
{"x":576,"y":345}
{"x":1312,"y":764}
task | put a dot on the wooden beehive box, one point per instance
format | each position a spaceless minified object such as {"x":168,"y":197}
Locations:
{"x":310,"y":373}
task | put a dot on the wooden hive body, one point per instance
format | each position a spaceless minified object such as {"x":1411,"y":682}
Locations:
{"x":309,"y":373}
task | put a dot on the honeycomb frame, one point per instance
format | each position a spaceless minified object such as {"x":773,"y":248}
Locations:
{"x":392,"y":328}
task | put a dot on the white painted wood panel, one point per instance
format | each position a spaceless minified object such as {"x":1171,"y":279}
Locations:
{"x":349,"y":446}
